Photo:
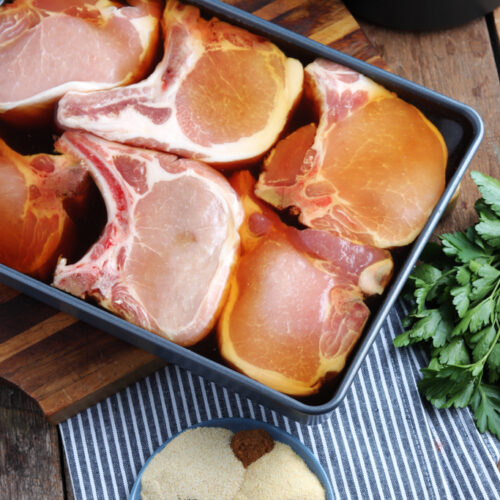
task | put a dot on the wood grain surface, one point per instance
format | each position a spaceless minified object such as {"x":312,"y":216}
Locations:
{"x":66,"y":365}
{"x":28,"y":443}
{"x":30,"y":453}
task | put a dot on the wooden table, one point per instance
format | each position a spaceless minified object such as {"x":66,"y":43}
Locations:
{"x":459,"y":62}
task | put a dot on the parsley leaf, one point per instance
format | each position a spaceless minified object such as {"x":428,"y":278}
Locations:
{"x":475,"y":318}
{"x":489,"y":189}
{"x":489,"y":231}
{"x":488,"y":277}
{"x":462,"y":246}
{"x":493,"y":363}
{"x":454,"y":353}
{"x":461,"y":298}
{"x":448,"y":386}
{"x":432,"y":324}
{"x":463,"y":275}
{"x":484,"y":339}
{"x":428,"y":282}
{"x":486,"y":407}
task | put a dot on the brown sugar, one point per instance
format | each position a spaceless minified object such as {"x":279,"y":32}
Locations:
{"x":249,"y":445}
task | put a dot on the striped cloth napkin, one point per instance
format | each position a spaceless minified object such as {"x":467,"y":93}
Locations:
{"x":382,"y":442}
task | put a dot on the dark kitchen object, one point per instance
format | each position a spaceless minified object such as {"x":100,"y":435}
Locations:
{"x":420,"y":15}
{"x":462,"y":130}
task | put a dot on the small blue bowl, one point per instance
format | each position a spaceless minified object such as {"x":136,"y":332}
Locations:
{"x":239,"y":424}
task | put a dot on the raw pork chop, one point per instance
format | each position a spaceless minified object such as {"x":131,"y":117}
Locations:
{"x":165,"y":255}
{"x":36,"y":225}
{"x":372,"y":171}
{"x":295,"y":306}
{"x":48,"y":47}
{"x":220,"y":94}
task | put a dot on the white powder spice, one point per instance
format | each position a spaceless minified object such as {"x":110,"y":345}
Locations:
{"x":280,"y":475}
{"x":199,"y":464}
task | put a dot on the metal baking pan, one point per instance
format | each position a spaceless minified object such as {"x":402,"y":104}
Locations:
{"x":462,"y":130}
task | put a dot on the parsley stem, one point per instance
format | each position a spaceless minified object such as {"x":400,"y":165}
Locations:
{"x":482,"y":361}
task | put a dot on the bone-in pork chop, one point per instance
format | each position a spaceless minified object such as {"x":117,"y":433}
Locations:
{"x":169,"y":244}
{"x":49,"y":47}
{"x":220,"y":94}
{"x":372,"y":171}
{"x":36,"y":226}
{"x":295,"y":306}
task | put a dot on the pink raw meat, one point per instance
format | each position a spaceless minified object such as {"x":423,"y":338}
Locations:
{"x":171,"y":238}
{"x":371,"y":172}
{"x":49,"y":47}
{"x":295,"y":306}
{"x":220,"y":94}
{"x":42,"y":199}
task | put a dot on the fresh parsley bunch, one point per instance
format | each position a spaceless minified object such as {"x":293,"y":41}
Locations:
{"x":456,"y":295}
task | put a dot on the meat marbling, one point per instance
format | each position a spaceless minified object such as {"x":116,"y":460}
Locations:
{"x":295,"y":306}
{"x":220,"y":94}
{"x":171,"y":238}
{"x":49,"y":47}
{"x":36,"y":225}
{"x":371,"y":172}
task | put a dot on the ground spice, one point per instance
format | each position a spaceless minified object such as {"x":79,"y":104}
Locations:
{"x":207,"y":463}
{"x":280,"y":475}
{"x":197,"y":465}
{"x":249,"y":445}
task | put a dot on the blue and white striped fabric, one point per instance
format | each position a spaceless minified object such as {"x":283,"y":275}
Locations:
{"x":383,"y":442}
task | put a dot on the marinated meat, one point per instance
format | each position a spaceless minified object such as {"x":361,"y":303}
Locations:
{"x":295,"y":306}
{"x":36,"y":225}
{"x":169,"y":244}
{"x":220,"y":94}
{"x":49,"y":47}
{"x":372,"y":171}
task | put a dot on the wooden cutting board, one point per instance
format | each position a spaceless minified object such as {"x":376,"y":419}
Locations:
{"x":66,"y":365}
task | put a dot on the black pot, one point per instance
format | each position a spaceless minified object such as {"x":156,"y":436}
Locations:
{"x":420,"y":15}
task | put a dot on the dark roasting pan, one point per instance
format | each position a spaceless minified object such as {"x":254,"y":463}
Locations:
{"x":462,"y":130}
